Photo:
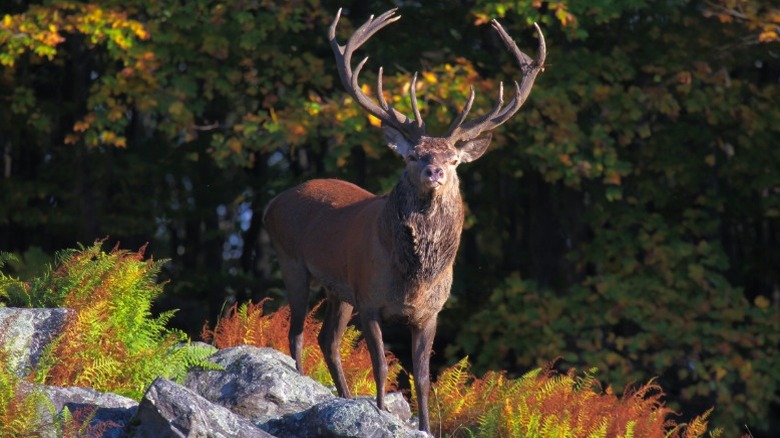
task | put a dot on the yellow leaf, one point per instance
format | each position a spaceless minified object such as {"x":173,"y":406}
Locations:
{"x":768,"y":36}
{"x":762,"y":302}
{"x":429,"y":77}
{"x":176,"y":108}
{"x":235,"y":145}
{"x":107,"y":137}
{"x":374,"y":121}
{"x":115,"y":114}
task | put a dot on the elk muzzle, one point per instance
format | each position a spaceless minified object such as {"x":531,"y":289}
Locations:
{"x":433,"y":176}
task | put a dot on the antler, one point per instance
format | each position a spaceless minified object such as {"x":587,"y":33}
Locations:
{"x":500,"y":114}
{"x":412,"y":129}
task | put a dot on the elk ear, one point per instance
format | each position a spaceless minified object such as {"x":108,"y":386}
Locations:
{"x":473,"y":149}
{"x":397,"y":141}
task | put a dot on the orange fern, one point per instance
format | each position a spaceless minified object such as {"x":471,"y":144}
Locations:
{"x":111,"y":342}
{"x":248,"y":324}
{"x":546,"y":403}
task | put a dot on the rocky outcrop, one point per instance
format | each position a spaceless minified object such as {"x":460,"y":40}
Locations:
{"x":25,"y":332}
{"x":257,"y":383}
{"x":107,"y":413}
{"x":340,"y":417}
{"x":257,"y":393}
{"x":169,"y":410}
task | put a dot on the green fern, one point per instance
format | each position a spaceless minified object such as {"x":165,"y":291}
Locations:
{"x":113,"y":343}
{"x":629,"y":430}
{"x":12,"y":290}
{"x":601,"y":432}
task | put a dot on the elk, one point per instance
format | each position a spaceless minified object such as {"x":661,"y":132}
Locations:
{"x":388,"y":257}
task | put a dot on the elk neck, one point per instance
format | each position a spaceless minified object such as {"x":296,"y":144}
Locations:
{"x":422,"y":231}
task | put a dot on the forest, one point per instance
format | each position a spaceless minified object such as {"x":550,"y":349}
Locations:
{"x":626,"y":219}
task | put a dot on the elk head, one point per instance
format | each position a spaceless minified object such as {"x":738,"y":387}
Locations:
{"x":431,"y":161}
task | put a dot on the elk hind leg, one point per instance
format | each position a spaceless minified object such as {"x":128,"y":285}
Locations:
{"x":296,"y":279}
{"x":338,"y":314}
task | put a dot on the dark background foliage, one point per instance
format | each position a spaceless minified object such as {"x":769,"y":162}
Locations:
{"x":626,"y":218}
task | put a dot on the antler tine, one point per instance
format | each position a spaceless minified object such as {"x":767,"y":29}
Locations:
{"x":463,"y":113}
{"x":456,"y":131}
{"x":379,"y":93}
{"x":500,"y":114}
{"x":349,"y":78}
{"x":413,"y":97}
{"x":370,"y":27}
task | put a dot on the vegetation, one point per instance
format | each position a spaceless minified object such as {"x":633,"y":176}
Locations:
{"x":626,"y":219}
{"x":248,"y":324}
{"x":114,"y":290}
{"x":541,"y":403}
{"x":23,"y":409}
{"x":111,"y":343}
{"x":17,"y":407}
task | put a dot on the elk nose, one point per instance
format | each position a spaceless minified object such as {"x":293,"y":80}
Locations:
{"x":433,"y":173}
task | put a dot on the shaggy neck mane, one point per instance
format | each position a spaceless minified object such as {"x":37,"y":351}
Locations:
{"x":423,"y":231}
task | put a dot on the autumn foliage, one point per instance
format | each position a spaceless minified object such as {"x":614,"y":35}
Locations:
{"x":541,"y":403}
{"x":248,"y":324}
{"x":546,"y":403}
{"x":111,"y":342}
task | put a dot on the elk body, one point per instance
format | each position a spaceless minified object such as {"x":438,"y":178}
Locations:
{"x":387,"y":257}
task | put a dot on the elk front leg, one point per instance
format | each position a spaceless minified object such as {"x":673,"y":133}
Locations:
{"x":337,"y":316}
{"x":422,"y":342}
{"x":373,"y":334}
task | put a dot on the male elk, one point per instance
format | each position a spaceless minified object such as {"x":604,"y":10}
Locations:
{"x":388,"y":257}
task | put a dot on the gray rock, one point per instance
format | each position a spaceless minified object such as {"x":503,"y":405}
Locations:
{"x":258,"y":383}
{"x":340,"y":417}
{"x":171,"y":410}
{"x":395,"y":403}
{"x":108,"y":413}
{"x":25,"y":332}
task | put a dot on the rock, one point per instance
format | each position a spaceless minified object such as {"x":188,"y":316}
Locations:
{"x":258,"y":383}
{"x":395,"y":403}
{"x":25,"y":332}
{"x":340,"y":417}
{"x":109,"y":413}
{"x":171,"y":410}
{"x":258,"y":392}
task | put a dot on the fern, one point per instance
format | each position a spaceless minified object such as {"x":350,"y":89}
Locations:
{"x":19,"y":408}
{"x":248,"y":324}
{"x":113,"y":343}
{"x":543,"y":403}
{"x":12,"y":290}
